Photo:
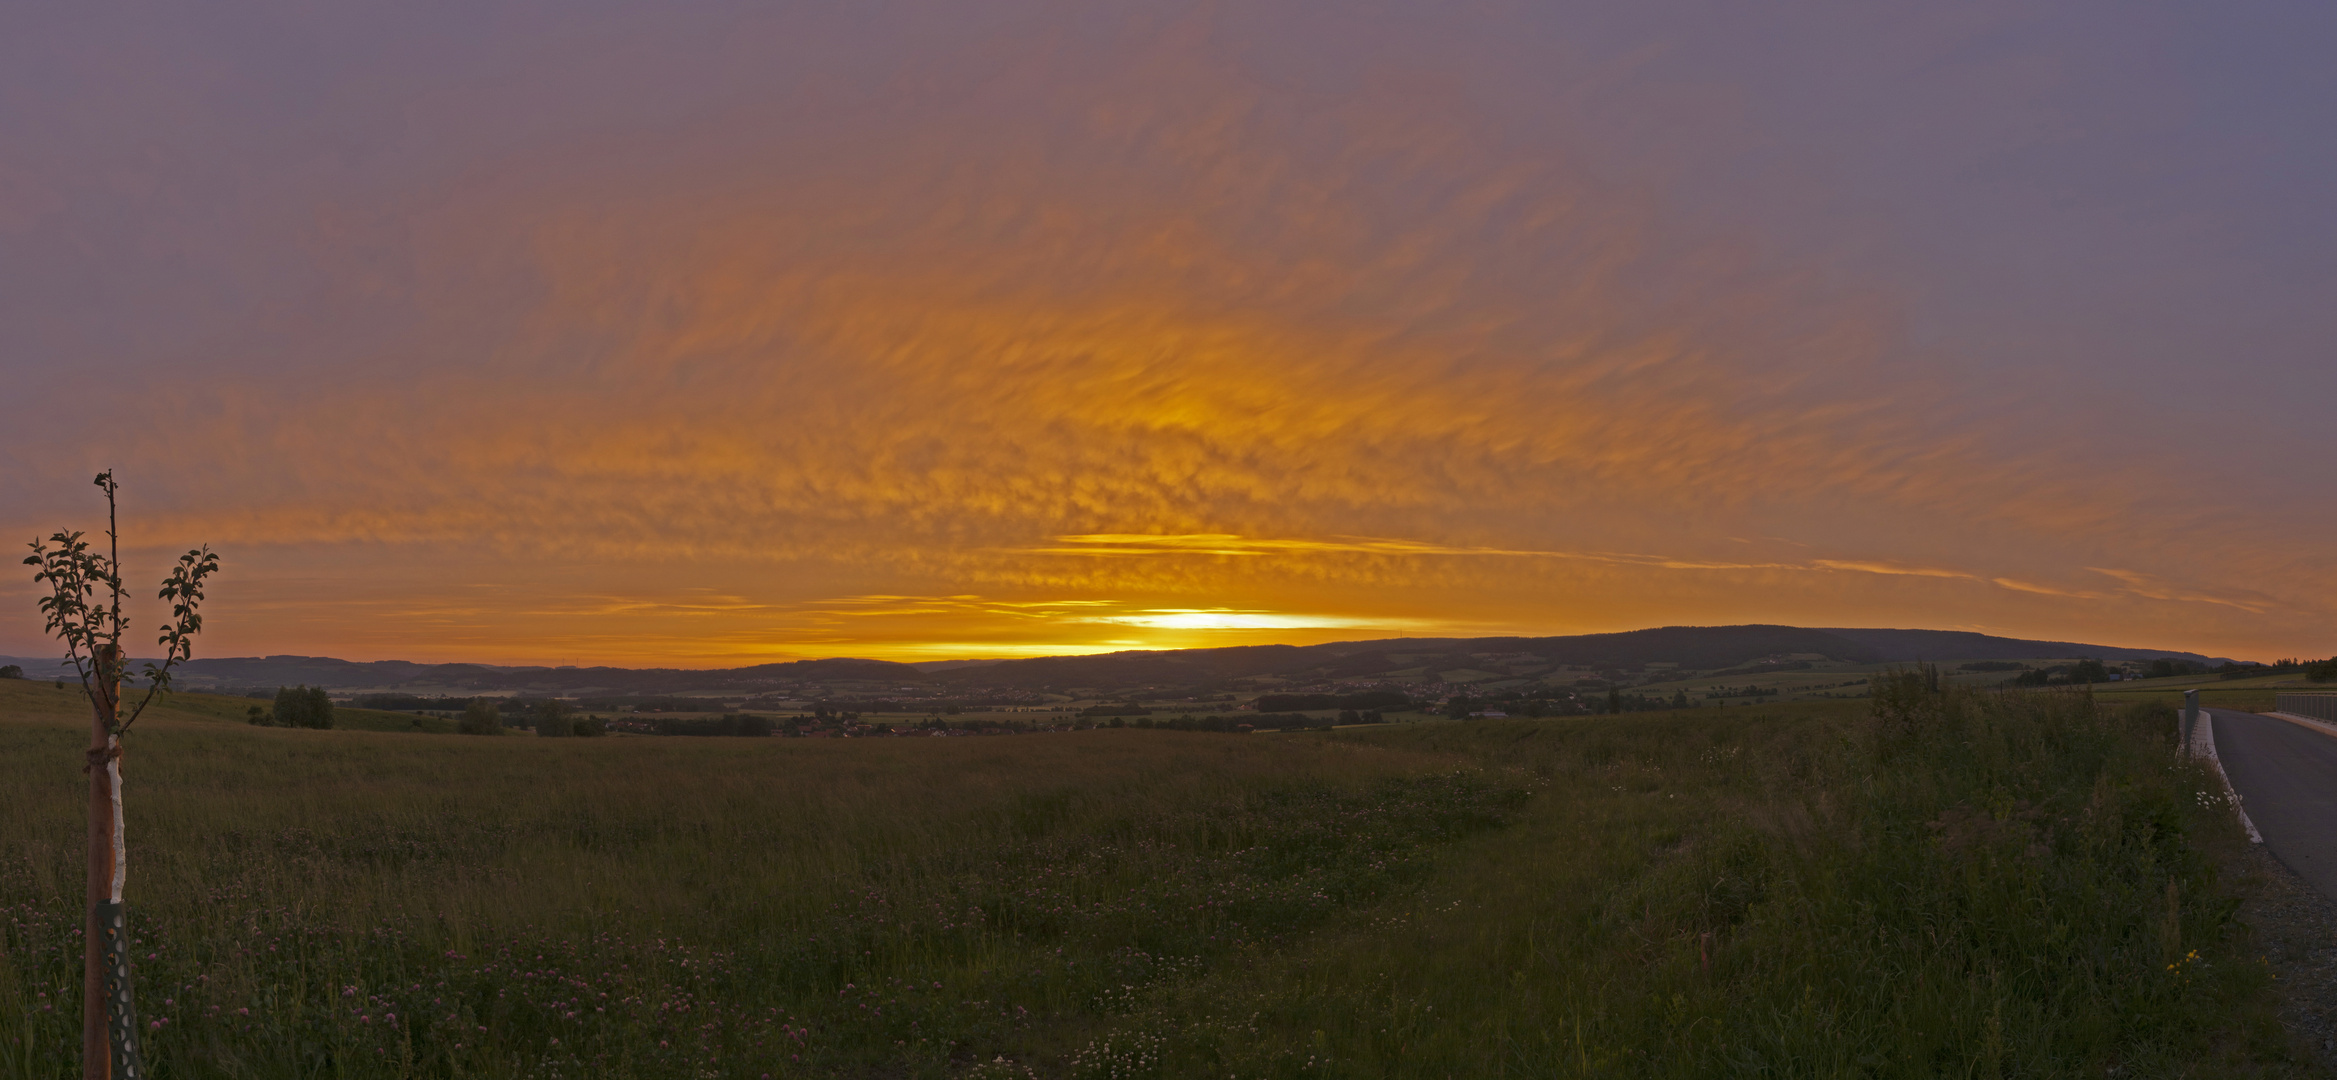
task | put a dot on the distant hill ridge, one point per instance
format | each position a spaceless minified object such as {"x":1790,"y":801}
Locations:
{"x":1698,"y":647}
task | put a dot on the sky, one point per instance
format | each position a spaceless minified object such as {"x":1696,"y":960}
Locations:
{"x":715,"y":333}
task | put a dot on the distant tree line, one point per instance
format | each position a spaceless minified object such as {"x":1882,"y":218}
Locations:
{"x":556,"y":719}
{"x":549,"y":718}
{"x":407,"y":702}
{"x":1213,"y":722}
{"x":2084,"y":671}
{"x":1293,"y":722}
{"x":529,"y":706}
{"x":653,"y":704}
{"x":949,"y":706}
{"x":1355,"y":702}
{"x":1767,"y":668}
{"x":736,"y":724}
{"x":2316,"y":670}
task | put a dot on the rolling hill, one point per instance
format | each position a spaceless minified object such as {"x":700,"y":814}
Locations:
{"x":1702,"y":648}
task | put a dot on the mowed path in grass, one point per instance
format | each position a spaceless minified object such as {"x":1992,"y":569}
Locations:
{"x":1967,"y":884}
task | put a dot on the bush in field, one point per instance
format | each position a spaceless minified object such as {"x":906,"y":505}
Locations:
{"x":303,"y":707}
{"x":11,"y":671}
{"x":590,"y":727}
{"x":554,"y":718}
{"x":480,"y":717}
{"x":258,"y":716}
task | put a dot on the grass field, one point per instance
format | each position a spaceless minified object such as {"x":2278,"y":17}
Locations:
{"x":1955,"y":885}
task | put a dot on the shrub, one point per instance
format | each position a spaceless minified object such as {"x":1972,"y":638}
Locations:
{"x":11,"y":671}
{"x":554,"y":718}
{"x":304,"y":707}
{"x":480,"y":717}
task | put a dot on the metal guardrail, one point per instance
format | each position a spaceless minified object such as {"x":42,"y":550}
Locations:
{"x":2317,"y":706}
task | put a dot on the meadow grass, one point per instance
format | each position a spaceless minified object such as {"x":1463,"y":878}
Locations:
{"x":1927,"y":885}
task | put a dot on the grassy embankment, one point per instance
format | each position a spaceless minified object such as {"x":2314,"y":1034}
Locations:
{"x":1968,"y":885}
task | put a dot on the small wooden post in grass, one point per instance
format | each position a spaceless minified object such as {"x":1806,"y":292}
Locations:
{"x":92,"y":633}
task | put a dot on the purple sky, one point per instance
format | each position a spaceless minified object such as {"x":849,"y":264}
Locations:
{"x":694,"y":333}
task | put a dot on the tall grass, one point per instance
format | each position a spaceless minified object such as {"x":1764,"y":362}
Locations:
{"x":1933,"y":884}
{"x":1958,"y":884}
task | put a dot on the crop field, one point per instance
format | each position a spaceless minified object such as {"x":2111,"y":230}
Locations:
{"x":1925,"y":884}
{"x":2256,"y":694}
{"x":1807,"y":677}
{"x":1816,"y":678}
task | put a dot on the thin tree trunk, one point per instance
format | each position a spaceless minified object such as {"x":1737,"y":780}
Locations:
{"x":109,"y":1027}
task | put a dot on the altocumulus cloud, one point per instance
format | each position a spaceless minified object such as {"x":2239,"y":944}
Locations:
{"x":1112,"y":320}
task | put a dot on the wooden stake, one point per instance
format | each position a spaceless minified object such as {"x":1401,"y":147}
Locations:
{"x":96,"y":1056}
{"x":109,"y":1026}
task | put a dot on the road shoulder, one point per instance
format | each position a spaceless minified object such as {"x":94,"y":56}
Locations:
{"x":2306,"y":722}
{"x":2295,"y":930}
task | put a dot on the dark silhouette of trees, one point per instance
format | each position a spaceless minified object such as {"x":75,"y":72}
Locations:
{"x":480,"y":717}
{"x":303,"y":707}
{"x":554,"y":718}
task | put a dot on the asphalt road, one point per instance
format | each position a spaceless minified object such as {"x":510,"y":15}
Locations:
{"x":2286,"y":775}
